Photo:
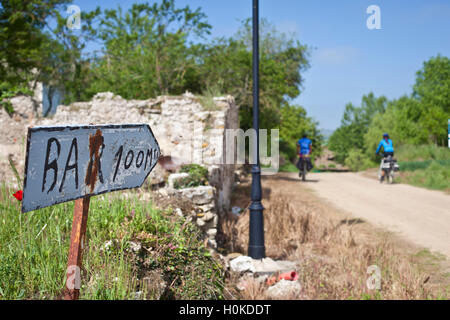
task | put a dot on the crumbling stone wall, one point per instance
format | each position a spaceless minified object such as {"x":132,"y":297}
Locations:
{"x":183,"y":128}
{"x":186,"y":131}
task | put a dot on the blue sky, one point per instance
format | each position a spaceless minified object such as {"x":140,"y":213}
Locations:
{"x":347,"y":59}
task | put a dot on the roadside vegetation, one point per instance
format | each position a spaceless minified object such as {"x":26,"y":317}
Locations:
{"x":335,"y":254}
{"x":425,"y":166}
{"x":134,"y":251}
{"x":198,"y":176}
{"x":423,"y":154}
{"x":288,"y":167}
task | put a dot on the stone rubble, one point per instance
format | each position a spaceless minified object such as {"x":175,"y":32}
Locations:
{"x":203,"y":201}
{"x":260,"y":270}
{"x":284,"y":289}
{"x":242,"y":264}
{"x":268,"y":265}
{"x":260,"y":266}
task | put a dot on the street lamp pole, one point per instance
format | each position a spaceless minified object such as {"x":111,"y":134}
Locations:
{"x":256,"y":248}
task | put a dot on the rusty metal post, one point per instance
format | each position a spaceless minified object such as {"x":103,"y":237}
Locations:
{"x":77,"y":241}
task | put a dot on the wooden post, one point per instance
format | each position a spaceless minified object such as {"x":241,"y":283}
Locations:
{"x":77,"y":241}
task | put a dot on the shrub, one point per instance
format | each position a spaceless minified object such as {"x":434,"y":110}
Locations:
{"x":207,"y":99}
{"x":357,"y":160}
{"x":435,"y":176}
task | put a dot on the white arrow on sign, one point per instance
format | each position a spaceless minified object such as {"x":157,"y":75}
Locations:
{"x":64,"y":163}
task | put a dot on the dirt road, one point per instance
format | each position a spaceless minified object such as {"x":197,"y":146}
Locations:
{"x":419,"y":215}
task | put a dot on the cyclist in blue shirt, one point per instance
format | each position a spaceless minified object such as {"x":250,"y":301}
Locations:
{"x":304,"y":149}
{"x":387,"y":144}
{"x":304,"y":145}
{"x":388,"y":150}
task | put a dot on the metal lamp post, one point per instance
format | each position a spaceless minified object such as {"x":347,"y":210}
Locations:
{"x":256,"y":248}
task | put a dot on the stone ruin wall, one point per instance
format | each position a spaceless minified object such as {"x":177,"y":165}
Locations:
{"x":183,"y":127}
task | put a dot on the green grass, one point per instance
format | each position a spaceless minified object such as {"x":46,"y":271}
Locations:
{"x":34,"y":248}
{"x":207,"y":98}
{"x":422,"y":153}
{"x":198,"y":176}
{"x":417,"y":165}
{"x":288,"y":167}
{"x":435,"y":176}
{"x":424,"y":166}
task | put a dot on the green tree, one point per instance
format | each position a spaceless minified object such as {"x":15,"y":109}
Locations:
{"x":357,"y":160}
{"x":401,"y":120}
{"x":420,"y":118}
{"x":147,"y":51}
{"x":67,"y":65}
{"x":341,"y":143}
{"x":227,"y":63}
{"x":354,"y":124}
{"x":293,"y":125}
{"x":21,"y":42}
{"x":432,"y":90}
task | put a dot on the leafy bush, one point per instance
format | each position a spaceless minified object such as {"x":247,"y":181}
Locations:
{"x":207,"y":98}
{"x":198,"y":176}
{"x":401,"y":121}
{"x":425,"y":166}
{"x":355,"y":122}
{"x":288,"y":167}
{"x":435,"y":176}
{"x":295,"y":123}
{"x":357,"y":160}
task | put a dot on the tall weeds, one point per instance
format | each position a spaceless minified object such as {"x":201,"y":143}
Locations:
{"x":333,"y":256}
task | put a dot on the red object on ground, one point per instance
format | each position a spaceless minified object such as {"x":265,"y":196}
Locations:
{"x":18,"y":195}
{"x":290,"y":276}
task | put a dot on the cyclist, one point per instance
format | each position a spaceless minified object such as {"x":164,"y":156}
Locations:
{"x":388,"y":146}
{"x":388,"y":150}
